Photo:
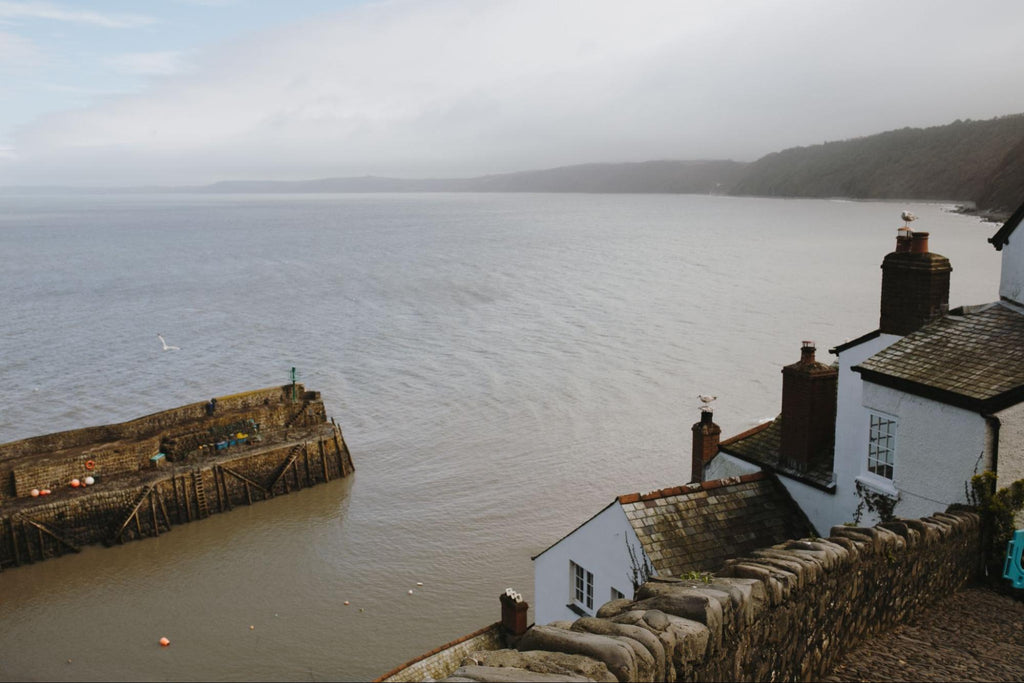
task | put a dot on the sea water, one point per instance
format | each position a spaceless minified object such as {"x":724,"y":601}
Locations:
{"x":502,"y":366}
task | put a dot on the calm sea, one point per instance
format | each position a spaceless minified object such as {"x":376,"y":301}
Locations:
{"x":502,"y":366}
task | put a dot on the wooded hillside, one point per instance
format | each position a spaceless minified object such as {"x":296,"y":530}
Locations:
{"x":979,"y":161}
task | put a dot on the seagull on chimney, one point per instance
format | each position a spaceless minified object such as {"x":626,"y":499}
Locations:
{"x":706,"y":400}
{"x":908,"y":218}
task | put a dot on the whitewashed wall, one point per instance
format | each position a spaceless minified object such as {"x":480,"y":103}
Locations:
{"x":599,"y":546}
{"x":1011,"y":278}
{"x":851,"y":450}
{"x":938,"y":449}
{"x":1011,"y":445}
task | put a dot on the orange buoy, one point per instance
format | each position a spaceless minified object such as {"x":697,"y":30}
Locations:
{"x":45,"y":492}
{"x":164,"y":642}
{"x":90,"y":464}
{"x":75,"y":483}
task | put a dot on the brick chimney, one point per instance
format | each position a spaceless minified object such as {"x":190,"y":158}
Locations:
{"x":808,"y":410}
{"x":915,"y":285}
{"x":705,"y":444}
{"x":513,"y":613}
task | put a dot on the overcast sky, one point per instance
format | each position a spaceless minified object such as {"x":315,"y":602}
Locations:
{"x":110,"y":92}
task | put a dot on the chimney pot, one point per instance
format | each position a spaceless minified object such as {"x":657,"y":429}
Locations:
{"x":807,"y":350}
{"x":808,"y":411}
{"x":513,"y":615}
{"x":903,"y":239}
{"x":706,"y":435}
{"x":915,"y":287}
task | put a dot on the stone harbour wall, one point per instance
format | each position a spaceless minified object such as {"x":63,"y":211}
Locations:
{"x":108,"y":460}
{"x":152,"y":424}
{"x":160,"y":498}
{"x":787,"y":612}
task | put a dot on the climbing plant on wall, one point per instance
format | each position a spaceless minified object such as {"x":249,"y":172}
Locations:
{"x":641,"y":567}
{"x":997,"y":508}
{"x":880,"y":504}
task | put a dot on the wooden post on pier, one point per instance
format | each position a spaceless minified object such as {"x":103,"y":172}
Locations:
{"x":152,"y":510}
{"x":323,"y":459}
{"x":177,"y":501}
{"x":188,"y":503}
{"x":163,"y":509}
{"x":216,"y":486}
{"x":337,"y":450}
{"x":14,"y":543}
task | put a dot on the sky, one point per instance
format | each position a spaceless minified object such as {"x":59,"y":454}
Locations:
{"x":173,"y":92}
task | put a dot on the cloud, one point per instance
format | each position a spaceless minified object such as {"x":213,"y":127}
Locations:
{"x":16,"y":51}
{"x":46,"y":10}
{"x":464,"y":87}
{"x":147,"y":63}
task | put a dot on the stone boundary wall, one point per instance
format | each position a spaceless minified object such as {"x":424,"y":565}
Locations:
{"x":788,"y":612}
{"x":149,"y":424}
{"x":440,"y":661}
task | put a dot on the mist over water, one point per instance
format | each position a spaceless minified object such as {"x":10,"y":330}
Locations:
{"x":501,"y":365}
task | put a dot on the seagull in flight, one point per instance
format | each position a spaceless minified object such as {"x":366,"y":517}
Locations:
{"x":167,"y":347}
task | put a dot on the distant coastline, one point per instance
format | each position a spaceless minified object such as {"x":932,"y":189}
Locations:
{"x":977,"y":164}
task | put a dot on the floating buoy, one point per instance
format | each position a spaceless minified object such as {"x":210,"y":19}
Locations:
{"x":419,"y":583}
{"x":45,"y":492}
{"x":90,"y":464}
{"x":346,"y":602}
{"x":75,"y":483}
{"x":251,"y":628}
{"x":410,"y":591}
{"x":90,"y":481}
{"x":34,"y":493}
{"x":164,"y":642}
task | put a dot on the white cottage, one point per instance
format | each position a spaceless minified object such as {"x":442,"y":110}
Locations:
{"x":663,"y":533}
{"x":930,"y":398}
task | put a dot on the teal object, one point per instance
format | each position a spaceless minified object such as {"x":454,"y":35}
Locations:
{"x":1012,"y":569}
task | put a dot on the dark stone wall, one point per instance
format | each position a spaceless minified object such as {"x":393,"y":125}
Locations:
{"x":787,"y":612}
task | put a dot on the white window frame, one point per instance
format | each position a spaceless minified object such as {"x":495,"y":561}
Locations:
{"x":881,"y":448}
{"x":617,"y":594}
{"x":581,"y":587}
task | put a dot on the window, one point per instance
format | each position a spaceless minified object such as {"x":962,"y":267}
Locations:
{"x":617,"y":594}
{"x":881,"y":445}
{"x":582,"y":586}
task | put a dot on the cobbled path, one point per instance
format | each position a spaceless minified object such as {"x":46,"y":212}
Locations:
{"x":973,"y":635}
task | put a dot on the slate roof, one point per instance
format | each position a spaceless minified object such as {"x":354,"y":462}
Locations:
{"x":761,"y":446}
{"x":699,"y":526}
{"x":972,"y":358}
